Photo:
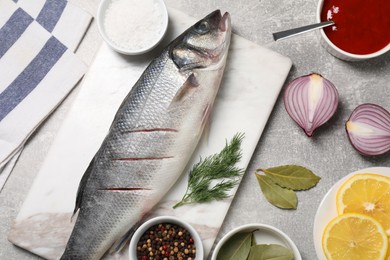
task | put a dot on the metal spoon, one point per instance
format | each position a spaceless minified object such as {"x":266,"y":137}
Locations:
{"x":292,"y":32}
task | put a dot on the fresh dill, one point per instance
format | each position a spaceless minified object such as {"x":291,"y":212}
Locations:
{"x":218,"y":168}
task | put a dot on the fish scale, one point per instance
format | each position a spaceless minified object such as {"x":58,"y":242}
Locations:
{"x":151,"y":139}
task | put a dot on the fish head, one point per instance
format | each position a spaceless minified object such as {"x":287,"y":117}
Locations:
{"x":203,"y":45}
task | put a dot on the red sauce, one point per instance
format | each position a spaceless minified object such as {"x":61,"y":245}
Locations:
{"x":361,"y":26}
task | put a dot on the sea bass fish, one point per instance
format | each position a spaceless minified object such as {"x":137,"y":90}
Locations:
{"x":152,"y":137}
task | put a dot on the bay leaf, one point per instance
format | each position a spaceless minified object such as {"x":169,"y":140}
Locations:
{"x":276,"y":195}
{"x":293,"y":177}
{"x":268,"y":252}
{"x":236,"y":247}
{"x":253,"y":241}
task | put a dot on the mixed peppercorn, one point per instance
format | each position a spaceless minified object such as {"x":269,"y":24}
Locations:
{"x":166,"y":241}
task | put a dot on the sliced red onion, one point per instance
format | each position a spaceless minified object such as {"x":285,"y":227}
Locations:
{"x":368,"y":129}
{"x":311,"y":100}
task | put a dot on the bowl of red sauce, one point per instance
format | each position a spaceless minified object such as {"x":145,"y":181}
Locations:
{"x":361,"y":30}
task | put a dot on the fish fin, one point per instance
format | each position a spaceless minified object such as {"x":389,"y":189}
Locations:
{"x":206,"y":122}
{"x":121,"y":243}
{"x":206,"y":131}
{"x":83,"y":183}
{"x":190,"y":83}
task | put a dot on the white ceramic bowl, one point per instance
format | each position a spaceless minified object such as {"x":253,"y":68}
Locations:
{"x":264,"y":234}
{"x":165,"y":219}
{"x":101,"y":14}
{"x":339,"y":53}
{"x":327,"y":209}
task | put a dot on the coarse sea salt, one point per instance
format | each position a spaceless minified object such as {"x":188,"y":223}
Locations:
{"x":134,"y":24}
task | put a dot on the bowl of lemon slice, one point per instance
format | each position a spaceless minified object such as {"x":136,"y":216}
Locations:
{"x":353,"y":219}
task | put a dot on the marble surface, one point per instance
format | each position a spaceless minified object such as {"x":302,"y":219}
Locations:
{"x":328,"y":153}
{"x":253,"y":78}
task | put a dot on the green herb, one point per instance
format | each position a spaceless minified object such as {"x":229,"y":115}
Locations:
{"x":253,"y":242}
{"x":276,"y":195}
{"x":268,"y":252}
{"x":293,"y":177}
{"x":242,"y":246}
{"x":237,"y":247}
{"x":220,"y":167}
{"x":279,"y":183}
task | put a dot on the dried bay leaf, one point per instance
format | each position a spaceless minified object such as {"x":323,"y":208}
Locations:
{"x":236,"y":247}
{"x":268,"y":252}
{"x":253,"y":242}
{"x":293,"y":177}
{"x":276,"y":195}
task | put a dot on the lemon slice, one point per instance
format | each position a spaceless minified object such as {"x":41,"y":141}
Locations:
{"x":367,"y":194}
{"x":388,"y":251}
{"x":354,"y":236}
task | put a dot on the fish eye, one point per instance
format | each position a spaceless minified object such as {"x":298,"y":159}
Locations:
{"x":203,"y":27}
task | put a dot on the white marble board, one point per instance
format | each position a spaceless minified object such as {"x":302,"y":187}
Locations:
{"x":252,"y":82}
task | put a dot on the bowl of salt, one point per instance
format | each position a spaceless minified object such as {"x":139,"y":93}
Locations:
{"x":132,"y":27}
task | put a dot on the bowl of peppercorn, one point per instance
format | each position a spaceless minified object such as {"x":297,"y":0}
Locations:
{"x":166,"y":238}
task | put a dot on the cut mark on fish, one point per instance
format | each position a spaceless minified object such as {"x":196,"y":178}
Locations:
{"x":154,"y":130}
{"x":142,"y":158}
{"x":123,"y":189}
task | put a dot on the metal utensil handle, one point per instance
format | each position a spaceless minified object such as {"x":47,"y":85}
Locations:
{"x":300,"y":30}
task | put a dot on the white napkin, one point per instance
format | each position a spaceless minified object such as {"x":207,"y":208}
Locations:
{"x":37,"y":67}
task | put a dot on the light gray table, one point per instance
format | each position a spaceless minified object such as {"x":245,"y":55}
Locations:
{"x":328,"y":154}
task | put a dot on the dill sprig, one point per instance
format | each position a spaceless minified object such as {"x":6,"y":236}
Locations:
{"x":218,"y":167}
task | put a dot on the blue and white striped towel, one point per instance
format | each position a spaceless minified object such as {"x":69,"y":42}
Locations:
{"x":63,"y":20}
{"x":37,"y":66}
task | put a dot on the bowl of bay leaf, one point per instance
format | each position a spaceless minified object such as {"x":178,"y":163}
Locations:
{"x":256,"y":241}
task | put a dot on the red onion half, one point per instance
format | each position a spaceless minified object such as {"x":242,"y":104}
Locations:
{"x":311,"y":101}
{"x":368,"y":129}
